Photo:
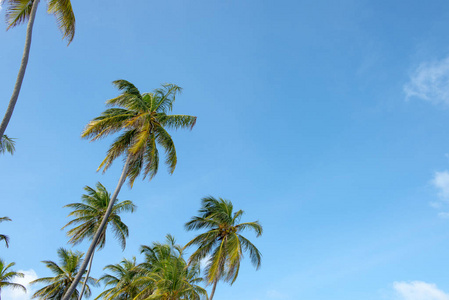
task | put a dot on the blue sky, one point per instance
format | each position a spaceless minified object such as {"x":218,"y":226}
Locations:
{"x":326,"y":121}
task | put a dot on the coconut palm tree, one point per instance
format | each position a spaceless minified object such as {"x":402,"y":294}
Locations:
{"x":88,"y":216}
{"x":222,"y":244}
{"x":7,"y":275}
{"x":142,"y":120}
{"x":2,"y":236}
{"x":121,"y":280}
{"x":166,"y":274}
{"x":64,"y":275}
{"x":18,"y":12}
{"x":7,"y":144}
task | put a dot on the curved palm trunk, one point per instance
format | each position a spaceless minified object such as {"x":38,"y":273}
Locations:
{"x":98,"y":233}
{"x":23,"y":66}
{"x":213,"y":290}
{"x":87,"y":276}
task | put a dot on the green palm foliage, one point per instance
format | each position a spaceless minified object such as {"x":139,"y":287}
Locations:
{"x":89,"y":214}
{"x":3,"y":237}
{"x":7,"y":144}
{"x":120,"y":281}
{"x":7,"y":275}
{"x":64,"y":275}
{"x":167,"y":276}
{"x":21,"y":11}
{"x":222,"y":244}
{"x":142,"y":120}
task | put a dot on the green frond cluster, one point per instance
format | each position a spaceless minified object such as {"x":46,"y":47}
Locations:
{"x":7,"y":276}
{"x":164,"y":275}
{"x":3,"y":237}
{"x":142,"y":120}
{"x":7,"y":144}
{"x":222,"y":245}
{"x":19,"y":11}
{"x":64,"y":273}
{"x":89,"y":214}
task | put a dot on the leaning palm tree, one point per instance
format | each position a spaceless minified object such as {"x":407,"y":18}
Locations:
{"x":7,"y":144}
{"x":222,"y":244}
{"x":142,"y":120}
{"x":88,"y":216}
{"x":7,"y":275}
{"x":64,"y":273}
{"x":167,"y":276}
{"x":3,"y":237}
{"x":121,"y":280}
{"x":18,"y":12}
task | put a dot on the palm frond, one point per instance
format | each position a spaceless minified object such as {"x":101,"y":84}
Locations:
{"x":65,"y":18}
{"x":17,"y":12}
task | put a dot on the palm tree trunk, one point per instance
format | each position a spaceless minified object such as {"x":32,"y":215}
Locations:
{"x":213,"y":290}
{"x":23,"y":66}
{"x":98,"y":233}
{"x":87,"y":276}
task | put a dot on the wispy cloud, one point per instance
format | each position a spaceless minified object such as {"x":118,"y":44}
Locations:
{"x":17,"y":294}
{"x":430,"y":82}
{"x":418,"y":290}
{"x":440,"y":181}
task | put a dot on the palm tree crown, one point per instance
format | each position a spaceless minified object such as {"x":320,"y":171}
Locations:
{"x":120,"y":280}
{"x":7,"y":275}
{"x":222,"y":244}
{"x":167,"y":276}
{"x":2,"y":236}
{"x":64,"y":273}
{"x":142,"y":119}
{"x":19,"y":11}
{"x":7,"y":144}
{"x":89,"y":214}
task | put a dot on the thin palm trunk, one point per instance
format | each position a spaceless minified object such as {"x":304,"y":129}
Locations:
{"x":99,"y":232}
{"x":20,"y":76}
{"x":87,"y":276}
{"x":213,"y":290}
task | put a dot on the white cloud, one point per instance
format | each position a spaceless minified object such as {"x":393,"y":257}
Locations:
{"x":16,"y":294}
{"x":441,"y":182}
{"x":418,"y":290}
{"x":430,"y":82}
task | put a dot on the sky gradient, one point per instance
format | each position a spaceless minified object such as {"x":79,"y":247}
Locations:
{"x":325,"y":121}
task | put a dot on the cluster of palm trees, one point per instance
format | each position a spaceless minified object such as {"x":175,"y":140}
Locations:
{"x":164,"y":274}
{"x":141,"y":121}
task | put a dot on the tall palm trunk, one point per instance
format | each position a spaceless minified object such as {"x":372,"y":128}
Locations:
{"x":213,"y":290}
{"x":87,"y":276}
{"x":23,"y":66}
{"x":98,"y":233}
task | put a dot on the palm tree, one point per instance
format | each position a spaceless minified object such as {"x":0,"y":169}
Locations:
{"x":7,"y":275}
{"x":18,"y":12}
{"x":7,"y":144}
{"x":121,"y":280}
{"x":222,"y":244}
{"x":142,"y":119}
{"x":88,"y":216}
{"x":64,"y":276}
{"x":2,"y":236}
{"x":167,"y":275}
